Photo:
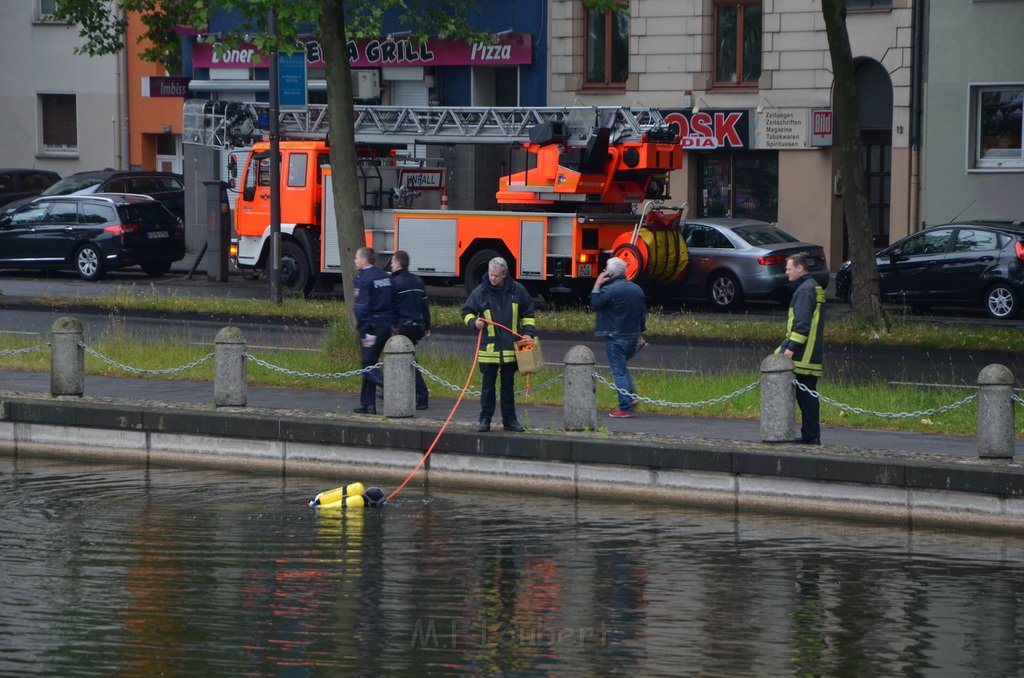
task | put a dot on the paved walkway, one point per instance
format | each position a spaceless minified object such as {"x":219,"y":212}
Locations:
{"x":537,"y":417}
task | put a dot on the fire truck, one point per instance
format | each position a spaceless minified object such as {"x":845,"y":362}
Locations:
{"x":555,"y":191}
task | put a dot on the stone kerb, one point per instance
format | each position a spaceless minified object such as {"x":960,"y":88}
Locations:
{"x":67,"y":358}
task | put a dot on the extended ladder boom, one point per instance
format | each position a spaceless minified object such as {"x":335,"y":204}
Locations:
{"x":226,"y":124}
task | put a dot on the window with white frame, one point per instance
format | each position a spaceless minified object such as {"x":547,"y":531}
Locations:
{"x":59,"y":117}
{"x":997,"y":121}
{"x":45,"y":9}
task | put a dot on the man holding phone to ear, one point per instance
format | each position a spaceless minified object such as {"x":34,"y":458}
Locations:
{"x":622,"y":320}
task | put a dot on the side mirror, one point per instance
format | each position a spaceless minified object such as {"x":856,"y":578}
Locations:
{"x":896,"y":255}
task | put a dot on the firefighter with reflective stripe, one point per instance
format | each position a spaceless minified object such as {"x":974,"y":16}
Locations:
{"x":804,"y":342}
{"x":499,"y":299}
{"x":372,"y":309}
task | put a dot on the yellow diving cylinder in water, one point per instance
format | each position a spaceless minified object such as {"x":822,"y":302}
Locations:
{"x":355,"y":501}
{"x":338,"y":494}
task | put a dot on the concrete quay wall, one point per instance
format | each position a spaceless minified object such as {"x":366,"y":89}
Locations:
{"x":914,"y":490}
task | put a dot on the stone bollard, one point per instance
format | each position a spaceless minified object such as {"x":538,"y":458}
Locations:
{"x":67,"y":358}
{"x":580,"y":390}
{"x":995,"y":412}
{"x":229,"y":377}
{"x":399,"y":377}
{"x":778,"y":402}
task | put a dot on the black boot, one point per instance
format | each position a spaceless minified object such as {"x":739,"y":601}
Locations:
{"x":514,"y":426}
{"x":484,"y":426}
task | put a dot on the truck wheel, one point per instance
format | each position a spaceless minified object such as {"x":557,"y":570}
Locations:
{"x":296,"y":277}
{"x":477,"y":268}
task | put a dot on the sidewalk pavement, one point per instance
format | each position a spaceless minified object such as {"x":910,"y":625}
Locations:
{"x":544,"y":419}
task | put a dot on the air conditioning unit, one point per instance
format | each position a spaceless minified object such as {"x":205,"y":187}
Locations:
{"x":365,"y":84}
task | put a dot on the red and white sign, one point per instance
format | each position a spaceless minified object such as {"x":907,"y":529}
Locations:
{"x":709,"y":130}
{"x":820,"y":127}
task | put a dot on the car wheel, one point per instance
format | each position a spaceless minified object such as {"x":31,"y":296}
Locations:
{"x":476,"y":268}
{"x":296,"y":277}
{"x":89,"y":262}
{"x":1002,"y":301}
{"x":156,"y":268}
{"x":724,"y":291}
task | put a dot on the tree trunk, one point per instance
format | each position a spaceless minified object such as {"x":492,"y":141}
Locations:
{"x":341,"y":116}
{"x":865,"y":294}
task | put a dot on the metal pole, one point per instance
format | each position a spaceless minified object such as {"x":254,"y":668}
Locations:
{"x":275,"y":171}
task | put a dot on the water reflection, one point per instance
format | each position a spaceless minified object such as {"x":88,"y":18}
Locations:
{"x":108,"y":569}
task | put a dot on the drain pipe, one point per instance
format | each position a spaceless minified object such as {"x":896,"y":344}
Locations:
{"x":916,"y":83}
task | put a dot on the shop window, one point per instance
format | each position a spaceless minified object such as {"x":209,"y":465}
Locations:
{"x":59,"y":114}
{"x":737,"y":43}
{"x":607,"y":46}
{"x":997,"y":123}
{"x":739,"y":185}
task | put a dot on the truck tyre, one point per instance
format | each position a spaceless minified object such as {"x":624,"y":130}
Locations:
{"x":89,"y":262}
{"x":477,"y":267}
{"x":296,"y":276}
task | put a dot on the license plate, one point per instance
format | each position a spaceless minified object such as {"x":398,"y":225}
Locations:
{"x":156,"y":235}
{"x":586,"y":270}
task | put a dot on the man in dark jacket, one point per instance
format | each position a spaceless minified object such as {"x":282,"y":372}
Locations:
{"x":411,"y":311}
{"x":372,"y":308}
{"x":499,"y":299}
{"x":622,"y":320}
{"x":804,"y":342}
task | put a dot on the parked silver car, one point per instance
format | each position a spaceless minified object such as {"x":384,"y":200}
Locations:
{"x":733,"y":260}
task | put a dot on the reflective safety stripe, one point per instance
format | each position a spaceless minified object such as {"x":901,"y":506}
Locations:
{"x":806,"y":366}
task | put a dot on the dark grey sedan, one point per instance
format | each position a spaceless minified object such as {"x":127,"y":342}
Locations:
{"x":733,"y":260}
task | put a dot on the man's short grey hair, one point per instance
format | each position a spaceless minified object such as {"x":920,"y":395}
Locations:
{"x":616,"y":266}
{"x":498,"y":263}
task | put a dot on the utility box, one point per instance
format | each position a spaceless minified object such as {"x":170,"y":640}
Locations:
{"x":218,"y":230}
{"x":365,"y":84}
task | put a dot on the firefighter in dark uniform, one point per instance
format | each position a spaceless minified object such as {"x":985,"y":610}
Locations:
{"x":804,"y":342}
{"x":373,"y":317}
{"x":499,"y":299}
{"x":412,"y":312}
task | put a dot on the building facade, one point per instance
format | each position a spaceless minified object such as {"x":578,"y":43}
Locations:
{"x":973,"y":159}
{"x":63,"y":112}
{"x":749,"y":83}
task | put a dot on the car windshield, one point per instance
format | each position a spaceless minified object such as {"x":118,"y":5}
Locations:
{"x":72,"y":184}
{"x":764,"y":235}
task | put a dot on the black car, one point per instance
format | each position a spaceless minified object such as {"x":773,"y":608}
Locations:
{"x":972,"y":264}
{"x":16,"y":184}
{"x":167,"y":187}
{"x":92,"y":234}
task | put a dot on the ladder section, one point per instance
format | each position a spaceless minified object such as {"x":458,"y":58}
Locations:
{"x":228,"y":124}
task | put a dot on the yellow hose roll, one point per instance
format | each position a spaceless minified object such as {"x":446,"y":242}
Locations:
{"x":668,"y":256}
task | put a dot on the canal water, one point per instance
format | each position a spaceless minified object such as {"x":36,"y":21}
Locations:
{"x":108,"y":569}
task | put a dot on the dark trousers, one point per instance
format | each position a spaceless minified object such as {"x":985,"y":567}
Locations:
{"x":370,"y":355}
{"x":809,"y":407}
{"x":508,"y":391}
